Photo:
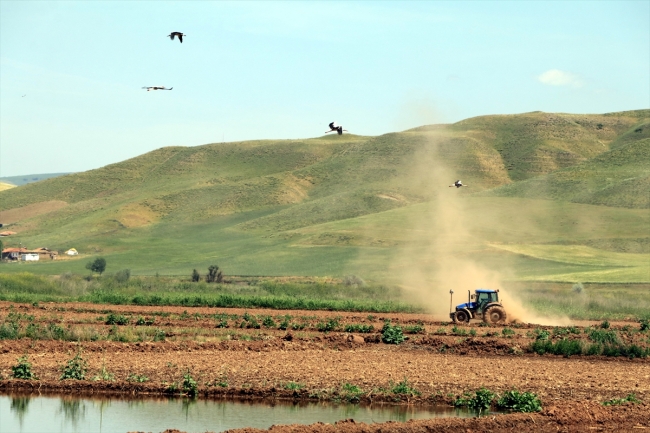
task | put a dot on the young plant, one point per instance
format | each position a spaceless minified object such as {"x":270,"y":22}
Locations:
{"x":23,"y":370}
{"x":139,"y":378}
{"x":75,"y":368}
{"x":482,"y":400}
{"x":516,"y":401}
{"x":293,"y":386}
{"x":190,"y":387}
{"x":391,"y":334}
{"x":403,"y":388}
{"x":631,"y":398}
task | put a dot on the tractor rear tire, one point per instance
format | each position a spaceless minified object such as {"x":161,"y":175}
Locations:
{"x":461,"y":316}
{"x":495,"y":315}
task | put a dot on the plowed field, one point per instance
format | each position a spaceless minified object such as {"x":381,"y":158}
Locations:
{"x":245,"y":354}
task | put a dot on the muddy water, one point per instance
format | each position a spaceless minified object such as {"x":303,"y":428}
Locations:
{"x":49,"y":414}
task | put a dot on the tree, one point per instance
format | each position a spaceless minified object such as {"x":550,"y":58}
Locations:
{"x":195,"y":276}
{"x":98,"y":265}
{"x":214,"y":274}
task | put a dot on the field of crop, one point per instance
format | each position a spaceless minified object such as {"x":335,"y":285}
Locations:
{"x":320,"y":355}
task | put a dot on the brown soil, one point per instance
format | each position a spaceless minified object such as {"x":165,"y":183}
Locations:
{"x":267,"y":362}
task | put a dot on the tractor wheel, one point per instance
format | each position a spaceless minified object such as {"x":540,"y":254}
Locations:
{"x":461,"y":316}
{"x":495,"y":315}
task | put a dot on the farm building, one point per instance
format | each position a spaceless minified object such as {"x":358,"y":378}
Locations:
{"x":13,"y":253}
{"x":46,"y":253}
{"x":29,"y":257}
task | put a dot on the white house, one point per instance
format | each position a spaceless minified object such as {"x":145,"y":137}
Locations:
{"x":29,"y":257}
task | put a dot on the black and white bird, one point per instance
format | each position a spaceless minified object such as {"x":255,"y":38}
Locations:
{"x":149,"y":88}
{"x":334,"y":127}
{"x":457,"y":184}
{"x":179,"y":34}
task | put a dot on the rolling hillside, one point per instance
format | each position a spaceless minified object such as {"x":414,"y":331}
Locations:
{"x":336,"y":205}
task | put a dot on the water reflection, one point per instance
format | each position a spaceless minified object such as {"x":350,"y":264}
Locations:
{"x":51,"y":414}
{"x":73,"y":410}
{"x":19,"y":407}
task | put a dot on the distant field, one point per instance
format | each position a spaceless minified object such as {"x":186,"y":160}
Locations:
{"x":28,"y":178}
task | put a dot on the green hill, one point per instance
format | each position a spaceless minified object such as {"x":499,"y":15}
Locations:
{"x":336,"y":205}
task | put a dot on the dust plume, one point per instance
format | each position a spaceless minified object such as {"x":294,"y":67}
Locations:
{"x":438,"y":256}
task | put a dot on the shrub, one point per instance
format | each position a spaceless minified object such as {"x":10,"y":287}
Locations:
{"x":604,"y":324}
{"x":577,"y":288}
{"x":507,"y":332}
{"x":116,"y":319}
{"x":516,"y":401}
{"x":98,"y":265}
{"x":645,"y":324}
{"x":541,"y":334}
{"x":293,"y":386}
{"x":391,"y":334}
{"x":75,"y":368}
{"x":23,"y":370}
{"x":351,"y":393}
{"x":415,"y":329}
{"x":123,"y":275}
{"x":190,"y":387}
{"x":139,"y":378}
{"x":195,"y":276}
{"x":268,"y":322}
{"x":328,"y":326}
{"x":563,"y":347}
{"x":603,"y":336}
{"x":403,"y":388}
{"x":363,"y":329}
{"x":482,"y":400}
{"x":214,"y":275}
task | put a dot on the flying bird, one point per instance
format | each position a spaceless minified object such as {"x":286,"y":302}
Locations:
{"x":149,"y":88}
{"x":457,"y":184}
{"x":179,"y":34}
{"x":334,"y":127}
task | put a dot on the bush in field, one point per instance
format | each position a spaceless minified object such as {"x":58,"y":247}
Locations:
{"x":195,"y":276}
{"x":214,"y":275}
{"x":116,"y":319}
{"x":482,"y":400}
{"x":391,"y":334}
{"x":123,"y":275}
{"x":23,"y":370}
{"x":519,"y":402}
{"x":330,"y":325}
{"x":75,"y":368}
{"x":604,"y":324}
{"x":190,"y":387}
{"x":403,"y":388}
{"x":645,"y":325}
{"x":98,"y":265}
{"x":603,"y":336}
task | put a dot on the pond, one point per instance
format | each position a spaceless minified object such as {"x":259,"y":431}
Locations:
{"x":55,"y":413}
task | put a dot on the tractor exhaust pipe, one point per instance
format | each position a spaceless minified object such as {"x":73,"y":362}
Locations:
{"x":451,"y":301}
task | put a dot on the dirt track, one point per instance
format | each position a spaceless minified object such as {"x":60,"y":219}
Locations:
{"x":267,"y":362}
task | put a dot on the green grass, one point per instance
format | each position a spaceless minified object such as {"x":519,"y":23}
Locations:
{"x":568,"y":205}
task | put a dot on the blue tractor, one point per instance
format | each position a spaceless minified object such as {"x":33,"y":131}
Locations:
{"x":484,"y":304}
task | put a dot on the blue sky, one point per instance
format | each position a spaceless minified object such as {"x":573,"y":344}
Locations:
{"x":258,"y":70}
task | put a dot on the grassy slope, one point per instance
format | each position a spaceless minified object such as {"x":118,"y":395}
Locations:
{"x":332,"y":205}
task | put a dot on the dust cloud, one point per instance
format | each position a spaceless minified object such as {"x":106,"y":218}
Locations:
{"x":442,"y":236}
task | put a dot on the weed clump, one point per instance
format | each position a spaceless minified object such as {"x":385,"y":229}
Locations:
{"x":189,"y":386}
{"x":75,"y":368}
{"x":391,"y":334}
{"x":23,"y":370}
{"x":630,"y":398}
{"x":482,"y":400}
{"x":516,"y":401}
{"x":403,"y":388}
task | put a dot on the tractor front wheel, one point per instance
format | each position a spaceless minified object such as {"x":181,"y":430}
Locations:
{"x":495,"y":315}
{"x":461,"y":316}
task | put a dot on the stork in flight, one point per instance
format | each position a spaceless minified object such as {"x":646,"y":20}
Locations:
{"x":179,"y":34}
{"x":149,"y":88}
{"x":334,"y":127}
{"x":457,"y":184}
